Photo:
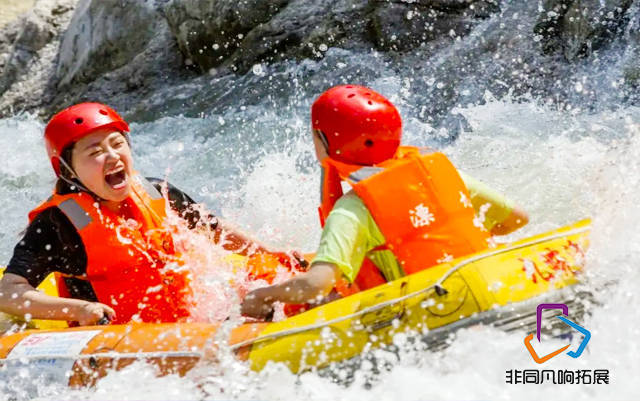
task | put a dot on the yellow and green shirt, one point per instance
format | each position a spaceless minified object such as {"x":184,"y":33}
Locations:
{"x":350,"y":232}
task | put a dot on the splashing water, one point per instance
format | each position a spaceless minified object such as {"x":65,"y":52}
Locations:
{"x":219,"y":279}
{"x":217,"y":282}
{"x":559,"y":167}
{"x":249,"y":158}
{"x":251,"y":162}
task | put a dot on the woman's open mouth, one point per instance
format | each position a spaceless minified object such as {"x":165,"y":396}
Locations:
{"x":116,"y":179}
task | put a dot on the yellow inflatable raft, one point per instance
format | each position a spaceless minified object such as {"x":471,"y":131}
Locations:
{"x":501,"y":286}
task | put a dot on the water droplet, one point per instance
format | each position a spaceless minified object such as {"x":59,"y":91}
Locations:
{"x":257,"y":69}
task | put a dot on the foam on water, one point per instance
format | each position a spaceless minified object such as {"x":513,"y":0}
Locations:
{"x":559,"y":166}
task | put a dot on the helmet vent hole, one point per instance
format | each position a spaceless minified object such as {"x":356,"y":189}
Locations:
{"x":351,"y":95}
{"x":79,"y":120}
{"x":367,"y":94}
{"x":349,"y":87}
{"x":103,"y":112}
{"x":370,"y":103}
{"x":368,"y":143}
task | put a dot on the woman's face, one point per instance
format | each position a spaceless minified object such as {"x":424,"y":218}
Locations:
{"x":102,"y":161}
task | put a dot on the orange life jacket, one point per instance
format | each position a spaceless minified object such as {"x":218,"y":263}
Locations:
{"x":127,"y":261}
{"x":420,"y":204}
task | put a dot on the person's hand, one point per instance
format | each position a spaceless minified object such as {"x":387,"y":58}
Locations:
{"x":91,"y":313}
{"x":256,"y":305}
{"x":292,"y":259}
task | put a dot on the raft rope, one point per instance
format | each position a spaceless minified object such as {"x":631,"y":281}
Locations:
{"x":110,"y":355}
{"x":437,"y":286}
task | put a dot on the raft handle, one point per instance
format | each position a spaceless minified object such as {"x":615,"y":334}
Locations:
{"x":104,"y":320}
{"x":440,"y":290}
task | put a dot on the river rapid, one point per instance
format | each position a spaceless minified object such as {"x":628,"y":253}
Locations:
{"x":249,"y":158}
{"x":255,"y":168}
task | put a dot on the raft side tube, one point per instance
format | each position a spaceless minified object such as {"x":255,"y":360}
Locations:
{"x":437,"y":300}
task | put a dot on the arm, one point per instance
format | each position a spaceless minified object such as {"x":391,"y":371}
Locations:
{"x":32,"y":262}
{"x":516,"y":219}
{"x":18,"y":297}
{"x":502,"y":216}
{"x":346,"y":239}
{"x":235,"y":241}
{"x":308,"y":287}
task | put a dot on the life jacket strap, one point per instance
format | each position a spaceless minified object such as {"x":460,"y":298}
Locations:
{"x":76,"y":214}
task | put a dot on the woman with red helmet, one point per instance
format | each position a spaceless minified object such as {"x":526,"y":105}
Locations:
{"x":409,"y":208}
{"x":102,"y":232}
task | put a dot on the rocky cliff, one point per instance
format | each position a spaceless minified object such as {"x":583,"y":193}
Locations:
{"x":129,"y":52}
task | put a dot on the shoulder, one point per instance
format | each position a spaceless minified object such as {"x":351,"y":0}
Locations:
{"x":49,"y":218}
{"x":50,"y":243}
{"x":174,"y":193}
{"x":351,"y":204}
{"x":159,"y":184}
{"x":179,"y":201}
{"x":351,"y":215}
{"x":348,"y":215}
{"x":53,"y":226}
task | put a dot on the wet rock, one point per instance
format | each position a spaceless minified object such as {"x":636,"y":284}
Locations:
{"x":476,"y":8}
{"x":36,"y":31}
{"x":233,"y":36}
{"x":8,"y":35}
{"x":631,"y":57}
{"x":30,"y":59}
{"x":444,"y":5}
{"x":548,"y":26}
{"x":104,"y":35}
{"x":124,"y":87}
{"x":402,"y":26}
{"x":483,"y":9}
{"x":589,"y":24}
{"x":304,"y":29}
{"x":237,"y":35}
{"x":129,"y":52}
{"x":123,"y":50}
{"x":116,"y":51}
{"x":210,"y":31}
{"x":579,"y":27}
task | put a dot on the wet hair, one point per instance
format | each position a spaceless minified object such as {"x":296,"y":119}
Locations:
{"x":63,"y":187}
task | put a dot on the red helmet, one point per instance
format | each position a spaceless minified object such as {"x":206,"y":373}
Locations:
{"x":76,"y":122}
{"x":360,"y":126}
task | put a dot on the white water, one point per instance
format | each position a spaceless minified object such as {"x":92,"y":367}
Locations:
{"x":559,"y":166}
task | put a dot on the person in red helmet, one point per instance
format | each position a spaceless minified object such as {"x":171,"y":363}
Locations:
{"x":409,"y":208}
{"x":102,"y":232}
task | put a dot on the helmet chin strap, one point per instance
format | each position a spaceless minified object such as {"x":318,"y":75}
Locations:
{"x":74,"y":183}
{"x":323,"y":139}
